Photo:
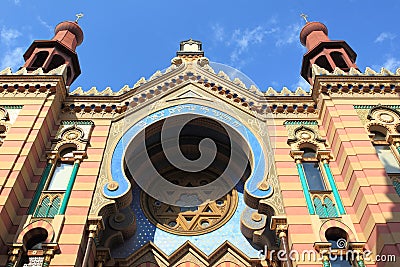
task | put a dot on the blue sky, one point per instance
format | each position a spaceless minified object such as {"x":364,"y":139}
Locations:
{"x":125,"y":40}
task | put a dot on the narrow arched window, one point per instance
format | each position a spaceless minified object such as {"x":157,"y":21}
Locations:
{"x":312,"y":170}
{"x":60,"y":178}
{"x":385,"y":153}
{"x":56,"y":186}
{"x":33,"y":240}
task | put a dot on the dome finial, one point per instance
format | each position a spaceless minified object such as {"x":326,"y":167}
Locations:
{"x":78,"y":16}
{"x":304,"y":16}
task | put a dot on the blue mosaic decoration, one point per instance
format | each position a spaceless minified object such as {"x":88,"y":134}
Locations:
{"x":259,"y":162}
{"x":168,"y":243}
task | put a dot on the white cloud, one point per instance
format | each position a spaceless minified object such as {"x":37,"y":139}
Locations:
{"x":17,"y":2}
{"x":45,"y":24}
{"x":242,"y":39}
{"x":385,"y":36}
{"x":289,"y":35}
{"x":13,"y":58}
{"x":8,"y":36}
{"x":392,"y":64}
{"x":219,"y":33}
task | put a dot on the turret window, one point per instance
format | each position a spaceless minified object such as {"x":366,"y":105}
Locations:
{"x":338,"y":59}
{"x":323,"y":62}
{"x":56,"y":62}
{"x":40,"y":59}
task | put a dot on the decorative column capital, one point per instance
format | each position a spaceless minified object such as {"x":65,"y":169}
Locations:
{"x":94,"y":226}
{"x":297,"y":155}
{"x":357,"y":246}
{"x":324,"y":155}
{"x":279,"y":224}
{"x":394,"y":139}
{"x":79,"y":155}
{"x":102,"y":256}
{"x":49,"y":250}
{"x":52,"y":156}
{"x":323,"y":247}
{"x":13,"y":254}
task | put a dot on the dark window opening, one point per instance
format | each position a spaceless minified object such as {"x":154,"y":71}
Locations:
{"x":3,"y":129}
{"x":67,"y":152}
{"x":40,"y":59}
{"x":309,"y":153}
{"x":378,"y":136}
{"x":36,"y":241}
{"x":339,"y":60}
{"x":56,"y":61}
{"x":323,"y":62}
{"x":337,"y":237}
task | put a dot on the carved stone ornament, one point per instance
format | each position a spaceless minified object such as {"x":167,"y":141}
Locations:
{"x":203,"y":61}
{"x":176,"y":61}
{"x":3,"y":114}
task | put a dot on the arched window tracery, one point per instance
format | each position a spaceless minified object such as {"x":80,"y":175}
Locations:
{"x":312,"y":162}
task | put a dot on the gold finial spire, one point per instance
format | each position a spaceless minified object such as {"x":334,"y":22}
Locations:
{"x":78,"y":16}
{"x":304,"y":16}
